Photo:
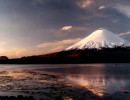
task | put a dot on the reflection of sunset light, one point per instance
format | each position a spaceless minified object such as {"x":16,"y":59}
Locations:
{"x":17,"y":74}
{"x":85,"y":83}
{"x":99,"y":84}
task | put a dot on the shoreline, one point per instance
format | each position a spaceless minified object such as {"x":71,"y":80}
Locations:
{"x":43,"y":86}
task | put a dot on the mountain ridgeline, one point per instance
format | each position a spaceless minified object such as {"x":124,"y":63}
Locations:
{"x":104,"y":55}
{"x":3,"y":58}
{"x":102,"y":46}
{"x":100,"y":39}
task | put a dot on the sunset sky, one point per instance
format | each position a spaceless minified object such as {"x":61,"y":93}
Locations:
{"x":33,"y":27}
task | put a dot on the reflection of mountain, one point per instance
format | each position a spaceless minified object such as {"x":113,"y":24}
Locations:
{"x":103,"y":80}
{"x":101,"y":85}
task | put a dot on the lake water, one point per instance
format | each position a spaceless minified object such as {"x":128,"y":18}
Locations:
{"x":101,"y":79}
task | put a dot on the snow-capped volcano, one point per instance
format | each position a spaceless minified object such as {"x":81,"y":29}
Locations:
{"x":99,"y":39}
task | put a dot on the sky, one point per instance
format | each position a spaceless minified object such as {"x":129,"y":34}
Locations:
{"x":34,"y":27}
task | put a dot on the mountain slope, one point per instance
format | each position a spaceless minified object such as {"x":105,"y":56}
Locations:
{"x":99,"y":39}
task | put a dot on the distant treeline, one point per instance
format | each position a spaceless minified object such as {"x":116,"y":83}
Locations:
{"x":103,"y":55}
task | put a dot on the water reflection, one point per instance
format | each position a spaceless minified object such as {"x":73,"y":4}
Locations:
{"x":101,"y":79}
{"x":101,"y":85}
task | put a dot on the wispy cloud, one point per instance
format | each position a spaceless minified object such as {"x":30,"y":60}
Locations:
{"x":84,"y":3}
{"x":2,"y":43}
{"x":125,"y":9}
{"x":34,"y":2}
{"x":101,"y":7}
{"x":65,"y":28}
{"x":13,"y":52}
{"x":122,"y":34}
{"x":57,"y":46}
{"x":58,"y":43}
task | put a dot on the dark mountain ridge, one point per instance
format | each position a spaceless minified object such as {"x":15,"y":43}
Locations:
{"x":103,"y":55}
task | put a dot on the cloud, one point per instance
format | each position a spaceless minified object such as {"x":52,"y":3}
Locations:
{"x":35,"y":2}
{"x":65,"y":28}
{"x":79,"y":28}
{"x":101,"y":7}
{"x":56,"y":46}
{"x":115,"y":21}
{"x":122,"y":34}
{"x":58,"y":43}
{"x":2,"y":43}
{"x":84,"y":3}
{"x":13,"y":52}
{"x":125,"y":9}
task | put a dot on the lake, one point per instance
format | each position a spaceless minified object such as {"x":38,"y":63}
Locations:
{"x":101,"y":79}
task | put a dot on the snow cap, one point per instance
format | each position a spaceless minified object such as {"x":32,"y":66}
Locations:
{"x":99,"y":39}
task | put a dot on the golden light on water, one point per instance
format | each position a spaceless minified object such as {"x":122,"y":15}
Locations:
{"x":87,"y":84}
{"x":100,"y":85}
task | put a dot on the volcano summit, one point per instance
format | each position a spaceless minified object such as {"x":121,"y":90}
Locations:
{"x":100,"y":39}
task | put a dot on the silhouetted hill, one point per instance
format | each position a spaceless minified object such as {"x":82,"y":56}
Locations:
{"x":3,"y":58}
{"x":104,"y":55}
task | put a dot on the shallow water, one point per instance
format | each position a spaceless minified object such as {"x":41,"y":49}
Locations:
{"x":101,"y":79}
